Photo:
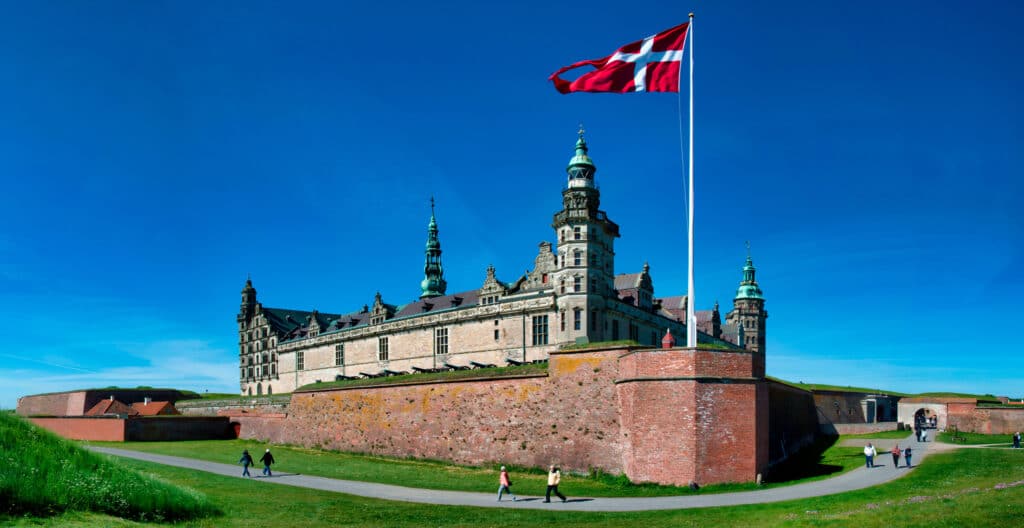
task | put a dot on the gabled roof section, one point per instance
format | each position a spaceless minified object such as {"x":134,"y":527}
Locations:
{"x":627,"y":281}
{"x":444,"y":302}
{"x":154,"y":408}
{"x":110,"y":407}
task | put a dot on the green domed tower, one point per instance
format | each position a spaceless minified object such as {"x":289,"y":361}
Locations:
{"x":433,"y":284}
{"x":748,"y":309}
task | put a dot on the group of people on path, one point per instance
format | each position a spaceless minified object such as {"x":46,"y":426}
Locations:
{"x":554,"y":479}
{"x":246,"y":461}
{"x":870,"y":453}
{"x":504,"y":482}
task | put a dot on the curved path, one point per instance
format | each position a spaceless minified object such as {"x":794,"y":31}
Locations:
{"x":857,"y":479}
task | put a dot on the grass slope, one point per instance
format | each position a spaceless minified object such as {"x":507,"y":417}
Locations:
{"x":41,"y":474}
{"x":968,"y":487}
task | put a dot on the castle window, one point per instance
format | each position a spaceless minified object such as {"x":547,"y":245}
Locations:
{"x":382,"y":349}
{"x":300,"y":360}
{"x":440,"y":341}
{"x":561,"y":258}
{"x":241,"y":374}
{"x":496,"y":333}
{"x":561,"y":320}
{"x":273,"y":369}
{"x":540,"y":330}
{"x":577,"y":258}
{"x":563,"y":285}
{"x":577,"y":284}
{"x":249,"y":373}
{"x":544,"y":278}
{"x":577,"y":319}
{"x":258,"y":372}
{"x":339,"y":354}
{"x":577,"y":233}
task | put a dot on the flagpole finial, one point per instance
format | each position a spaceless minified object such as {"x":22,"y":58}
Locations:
{"x":691,"y":14}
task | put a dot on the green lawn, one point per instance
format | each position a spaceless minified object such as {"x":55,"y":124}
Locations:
{"x":976,"y":438}
{"x":969,"y":487}
{"x":890,"y":435}
{"x":820,"y":462}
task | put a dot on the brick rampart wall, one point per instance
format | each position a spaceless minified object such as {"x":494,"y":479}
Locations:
{"x":864,"y":428}
{"x":793,"y":420}
{"x":76,"y":403}
{"x":669,"y":416}
{"x":986,"y":420}
{"x":137,"y":429}
{"x":82,"y":428}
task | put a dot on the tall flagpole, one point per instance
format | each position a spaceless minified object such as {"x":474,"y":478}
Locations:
{"x":691,"y":319}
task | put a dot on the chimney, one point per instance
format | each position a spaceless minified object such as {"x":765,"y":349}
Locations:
{"x":111,"y":397}
{"x":146,"y":400}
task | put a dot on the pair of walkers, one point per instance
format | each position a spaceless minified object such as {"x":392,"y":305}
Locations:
{"x":246,"y":461}
{"x":554,"y":479}
{"x":907,"y":454}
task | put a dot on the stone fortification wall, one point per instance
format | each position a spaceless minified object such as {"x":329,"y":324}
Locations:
{"x":793,"y":420}
{"x":266,"y":404}
{"x":84,"y":428}
{"x":670,"y":416}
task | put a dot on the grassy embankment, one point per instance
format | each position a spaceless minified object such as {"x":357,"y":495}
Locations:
{"x":41,"y":474}
{"x":967,"y":487}
{"x":819,"y":462}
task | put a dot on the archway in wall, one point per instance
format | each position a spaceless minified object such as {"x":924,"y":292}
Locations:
{"x":270,"y":390}
{"x":925,"y":418}
{"x":250,"y":391}
{"x":259,"y":389}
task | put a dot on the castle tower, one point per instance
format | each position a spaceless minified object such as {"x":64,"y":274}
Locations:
{"x":248,"y":307}
{"x":585,"y":255}
{"x":433,"y":284}
{"x":748,"y":309}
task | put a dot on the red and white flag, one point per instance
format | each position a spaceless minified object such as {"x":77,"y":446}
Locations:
{"x":648,"y":65}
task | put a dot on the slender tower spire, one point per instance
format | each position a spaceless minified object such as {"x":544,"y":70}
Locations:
{"x":433,"y":284}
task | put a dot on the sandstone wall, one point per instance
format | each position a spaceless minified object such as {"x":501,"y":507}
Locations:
{"x":269,"y":404}
{"x":986,"y":420}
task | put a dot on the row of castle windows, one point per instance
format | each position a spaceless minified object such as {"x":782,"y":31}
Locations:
{"x":577,"y":234}
{"x":259,"y":371}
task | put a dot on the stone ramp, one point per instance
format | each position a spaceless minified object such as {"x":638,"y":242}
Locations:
{"x":857,"y":479}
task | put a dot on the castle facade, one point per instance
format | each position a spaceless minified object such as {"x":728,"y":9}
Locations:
{"x":572,"y":295}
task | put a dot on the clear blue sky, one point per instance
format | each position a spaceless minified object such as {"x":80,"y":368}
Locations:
{"x":154,"y":153}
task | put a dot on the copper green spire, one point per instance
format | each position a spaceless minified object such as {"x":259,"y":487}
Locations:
{"x":748,"y":286}
{"x":581,"y":168}
{"x":433,"y":284}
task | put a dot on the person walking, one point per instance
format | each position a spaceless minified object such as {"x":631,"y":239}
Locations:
{"x":504,"y":485}
{"x":267,"y":460}
{"x":246,"y":461}
{"x":906,"y":455}
{"x":869,"y":455}
{"x":554,"y":477}
{"x":1016,"y":440}
{"x":895,"y":456}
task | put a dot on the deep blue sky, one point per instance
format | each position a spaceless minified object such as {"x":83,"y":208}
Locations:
{"x":154,"y":153}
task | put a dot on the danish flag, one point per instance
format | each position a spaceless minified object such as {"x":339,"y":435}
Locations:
{"x":648,"y":65}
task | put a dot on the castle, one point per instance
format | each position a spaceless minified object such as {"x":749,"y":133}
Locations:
{"x":572,"y":295}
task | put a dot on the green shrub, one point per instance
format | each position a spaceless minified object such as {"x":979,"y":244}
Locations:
{"x":42,"y":474}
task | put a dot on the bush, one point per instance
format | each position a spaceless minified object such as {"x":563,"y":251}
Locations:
{"x":43,"y":474}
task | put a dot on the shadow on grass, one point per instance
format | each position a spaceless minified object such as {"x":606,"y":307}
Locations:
{"x":806,"y":464}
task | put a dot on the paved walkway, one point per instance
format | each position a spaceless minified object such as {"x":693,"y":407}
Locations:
{"x":857,"y":479}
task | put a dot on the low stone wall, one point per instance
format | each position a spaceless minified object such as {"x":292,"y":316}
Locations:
{"x":865,"y":428}
{"x":270,"y":404}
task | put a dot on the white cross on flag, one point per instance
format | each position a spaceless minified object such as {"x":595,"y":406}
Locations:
{"x":648,"y":65}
